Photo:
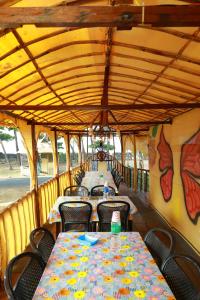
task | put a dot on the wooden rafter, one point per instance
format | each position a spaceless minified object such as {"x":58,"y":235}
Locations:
{"x":158,"y":74}
{"x":104,"y":98}
{"x":101,"y":16}
{"x":97,"y":123}
{"x":8,"y":2}
{"x":28,"y":52}
{"x":147,"y":106}
{"x":161,"y":74}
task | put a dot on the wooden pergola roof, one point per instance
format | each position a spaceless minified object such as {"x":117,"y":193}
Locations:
{"x":125,"y":64}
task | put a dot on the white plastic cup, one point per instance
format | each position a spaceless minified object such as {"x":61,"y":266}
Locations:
{"x":115,"y":216}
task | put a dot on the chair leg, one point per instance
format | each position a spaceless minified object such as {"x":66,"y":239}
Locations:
{"x":93,"y":227}
{"x":130,"y":225}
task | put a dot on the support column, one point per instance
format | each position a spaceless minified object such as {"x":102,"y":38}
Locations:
{"x":67,"y":152}
{"x":79,"y":151}
{"x":122,"y":149}
{"x":35,"y":174}
{"x":68,"y":155}
{"x":56,"y":163}
{"x":114,"y":144}
{"x":135,"y":165}
{"x":87,"y":144}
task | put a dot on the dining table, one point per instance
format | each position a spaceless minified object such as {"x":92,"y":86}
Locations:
{"x":54,"y":215}
{"x":93,"y":178}
{"x":99,"y":272}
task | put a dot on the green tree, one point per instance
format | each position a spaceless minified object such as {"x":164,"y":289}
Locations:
{"x":5,"y":137}
{"x":105,"y":147}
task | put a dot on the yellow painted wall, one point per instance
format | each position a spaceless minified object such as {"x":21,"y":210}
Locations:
{"x":174,"y":211}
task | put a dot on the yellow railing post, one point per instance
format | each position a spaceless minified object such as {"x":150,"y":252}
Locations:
{"x":56,"y":162}
{"x":35,"y":176}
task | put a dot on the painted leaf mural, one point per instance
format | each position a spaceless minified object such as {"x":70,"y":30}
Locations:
{"x":190,"y":174}
{"x":165,"y":166}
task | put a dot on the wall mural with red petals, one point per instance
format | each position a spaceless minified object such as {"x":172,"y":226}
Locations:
{"x":190,"y":174}
{"x":166,"y":167}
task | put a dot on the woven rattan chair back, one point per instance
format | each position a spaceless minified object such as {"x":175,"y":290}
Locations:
{"x":174,"y":269}
{"x":29,"y":268}
{"x":76,"y":190}
{"x":97,"y":190}
{"x":77,"y":179}
{"x":160,"y":243}
{"x":42,"y":242}
{"x":105,"y":210}
{"x":75,"y":213}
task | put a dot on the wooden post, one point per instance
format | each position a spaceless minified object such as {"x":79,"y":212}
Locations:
{"x":35,"y":174}
{"x":56,"y":161}
{"x":68,"y":156}
{"x":79,"y":150}
{"x":114,"y":144}
{"x":135,"y":165}
{"x":122,"y":155}
{"x":87,"y":144}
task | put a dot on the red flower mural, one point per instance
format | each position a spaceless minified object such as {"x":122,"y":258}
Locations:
{"x":190,"y":173}
{"x":166,"y":167}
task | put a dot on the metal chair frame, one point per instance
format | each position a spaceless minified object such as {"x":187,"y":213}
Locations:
{"x":180,"y":283}
{"x":111,"y":190}
{"x":81,"y":222}
{"x":22,"y":288}
{"x":124,"y":222}
{"x":44,"y":245}
{"x":75,"y":186}
{"x":157,"y":248}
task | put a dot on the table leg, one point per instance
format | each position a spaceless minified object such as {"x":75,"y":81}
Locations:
{"x":58,"y":228}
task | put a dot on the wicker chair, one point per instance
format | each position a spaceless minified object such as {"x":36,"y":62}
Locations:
{"x":75,"y":217}
{"x":42,"y":242}
{"x":76,"y":190}
{"x":105,"y":210}
{"x":97,"y":190}
{"x":77,"y":179}
{"x":118,"y":180}
{"x":181,"y":284}
{"x":159,"y":249}
{"x":23,"y":287}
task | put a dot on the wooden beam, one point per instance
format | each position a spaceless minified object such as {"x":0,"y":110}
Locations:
{"x":101,"y":16}
{"x":8,"y":2}
{"x":83,"y":132}
{"x":100,"y":107}
{"x":104,"y":98}
{"x":97,"y":123}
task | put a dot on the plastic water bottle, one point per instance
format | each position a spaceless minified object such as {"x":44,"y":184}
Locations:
{"x":105,"y":191}
{"x":116,"y":223}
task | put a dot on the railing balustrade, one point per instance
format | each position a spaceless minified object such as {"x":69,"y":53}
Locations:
{"x":16,"y":223}
{"x":21,"y":217}
{"x":126,"y":172}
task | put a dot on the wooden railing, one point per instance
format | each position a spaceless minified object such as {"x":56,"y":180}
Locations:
{"x":126,"y":172}
{"x":143,"y":180}
{"x":16,"y":223}
{"x":20,"y":218}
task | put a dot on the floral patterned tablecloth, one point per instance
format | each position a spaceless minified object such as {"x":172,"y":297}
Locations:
{"x":54,"y":215}
{"x":75,"y":271}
